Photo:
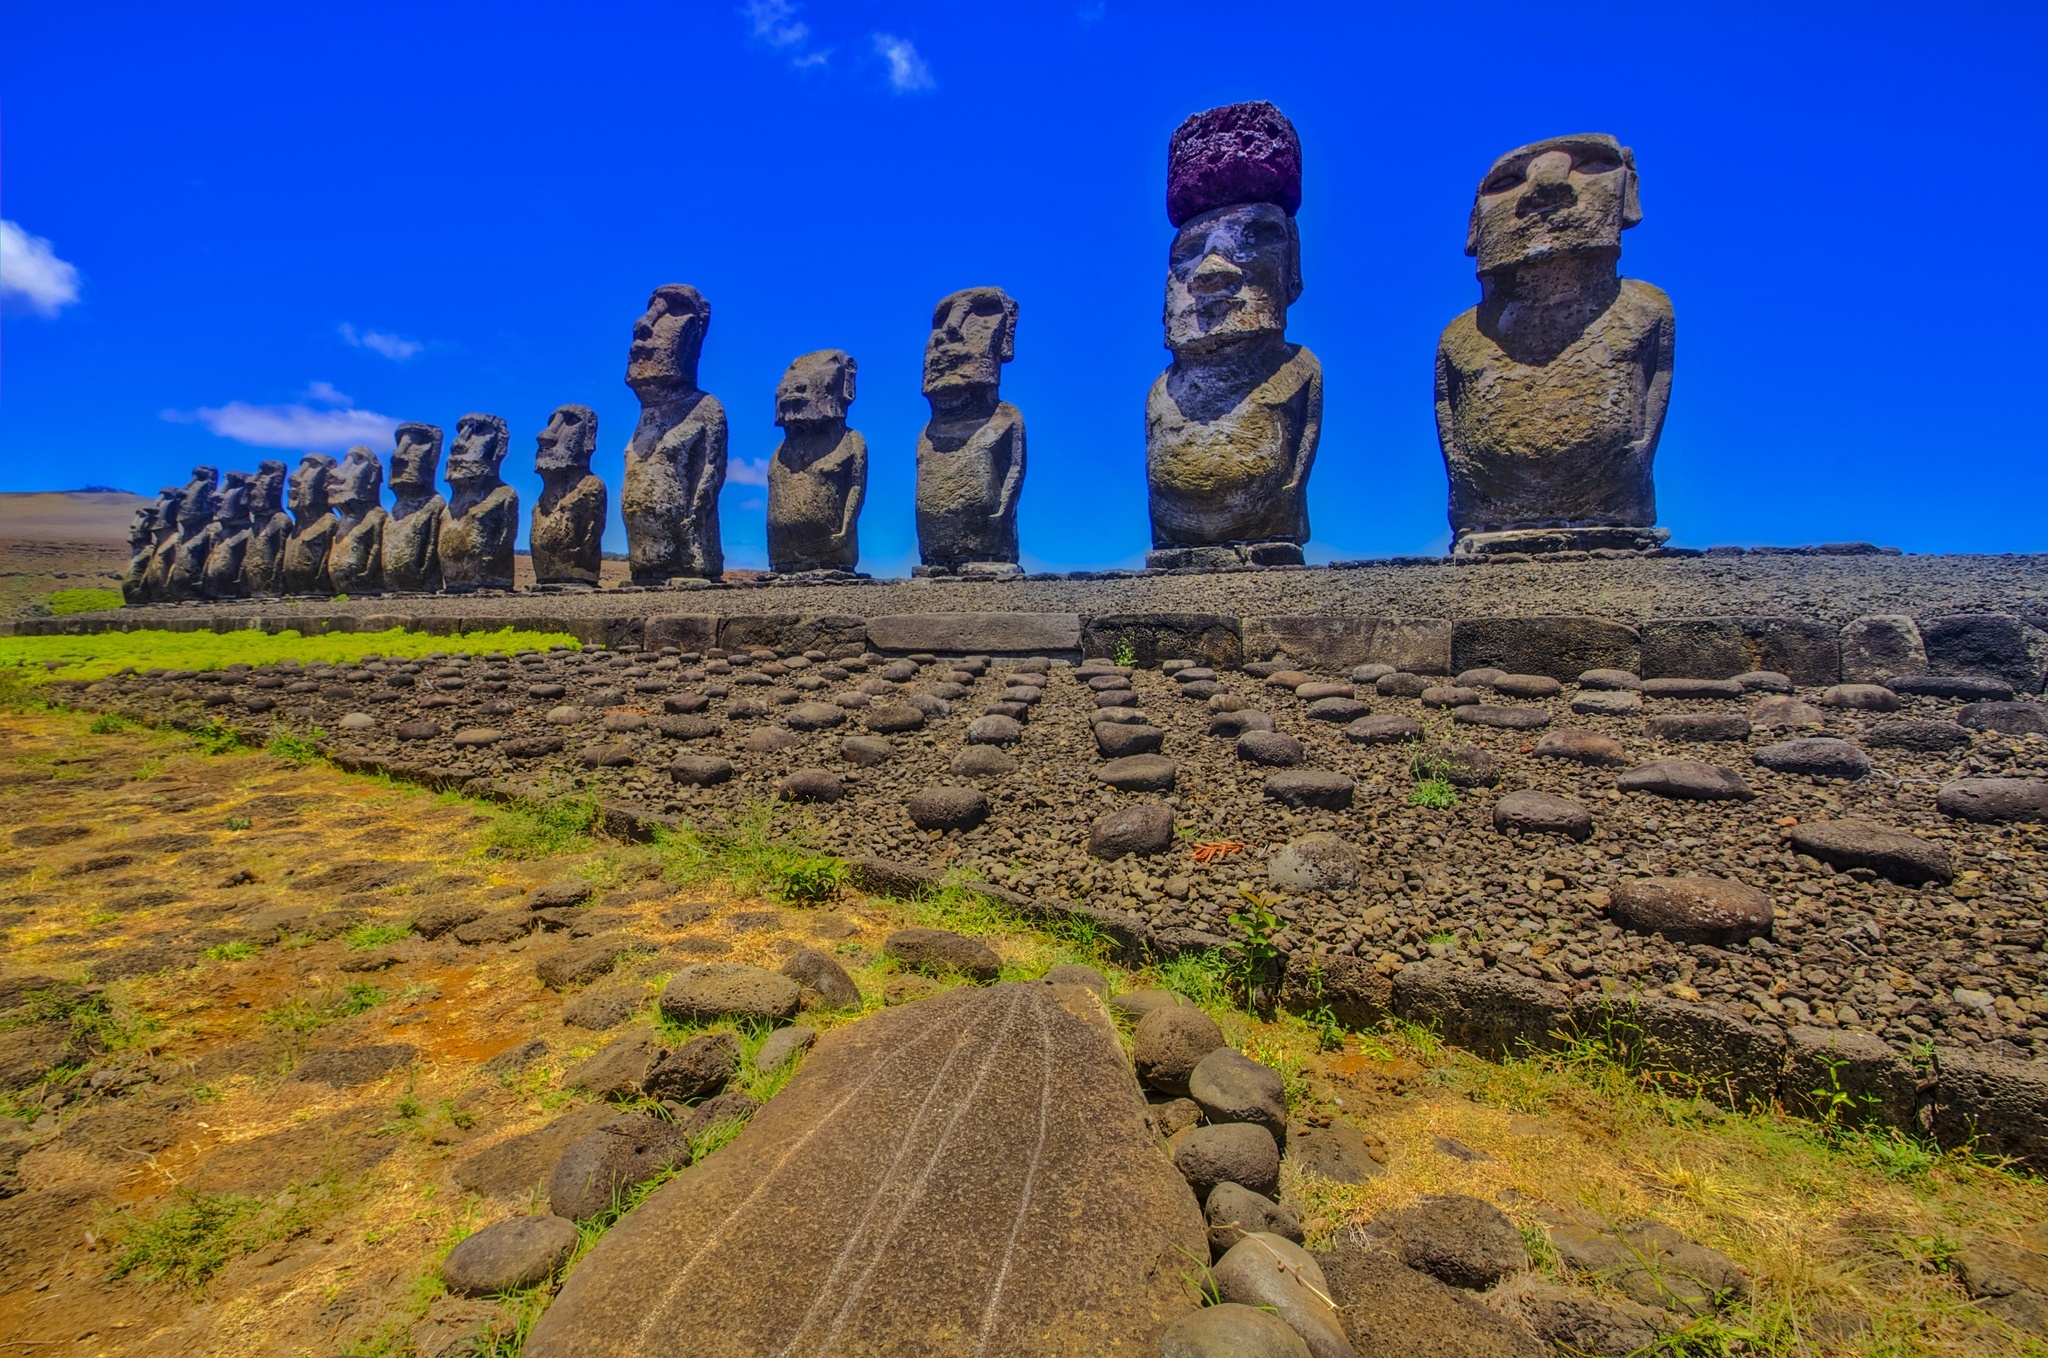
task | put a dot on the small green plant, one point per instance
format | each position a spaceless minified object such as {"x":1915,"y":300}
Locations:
{"x":239,"y":822}
{"x":1836,"y":1105}
{"x":107,"y":724}
{"x":1253,"y":969}
{"x":189,"y":1240}
{"x":216,"y":737}
{"x":530,"y":830}
{"x":1126,"y":651}
{"x":301,"y":1018}
{"x":1203,"y":977}
{"x":1436,"y":794}
{"x":235,"y":950}
{"x":295,"y":749}
{"x":68,"y":601}
{"x":377,"y":935}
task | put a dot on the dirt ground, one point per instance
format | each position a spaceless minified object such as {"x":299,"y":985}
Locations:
{"x":247,"y":1109}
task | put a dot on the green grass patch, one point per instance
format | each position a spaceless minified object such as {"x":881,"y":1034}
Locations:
{"x":107,"y":724}
{"x":235,"y":950}
{"x":365,"y":936}
{"x":105,"y":653}
{"x":528,"y":830}
{"x":1437,"y":794}
{"x":302,"y":1018}
{"x":68,"y":601}
{"x":294,"y":748}
{"x":194,"y":1235}
{"x":781,"y":863}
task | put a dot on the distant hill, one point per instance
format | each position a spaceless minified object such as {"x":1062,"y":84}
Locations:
{"x":95,"y":515}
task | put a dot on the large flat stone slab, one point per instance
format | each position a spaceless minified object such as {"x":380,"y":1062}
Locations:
{"x":966,"y":1175}
{"x":1331,"y":641}
{"x":995,"y":633}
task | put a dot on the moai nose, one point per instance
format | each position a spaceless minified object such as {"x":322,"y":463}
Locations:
{"x":1215,"y":274}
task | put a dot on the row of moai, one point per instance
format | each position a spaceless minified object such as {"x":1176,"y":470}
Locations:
{"x":1550,"y":397}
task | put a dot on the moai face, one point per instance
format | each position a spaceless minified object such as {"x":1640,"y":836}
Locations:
{"x":817,"y":389}
{"x":416,"y":457}
{"x":974,"y":333}
{"x":233,"y":508}
{"x":480,"y":445}
{"x":1554,"y":197}
{"x":309,"y":486}
{"x":196,"y":508}
{"x":1232,"y":274}
{"x":358,"y":484}
{"x":266,"y":490}
{"x":568,"y":442}
{"x":170,"y":503}
{"x":142,"y":528}
{"x":667,"y":341}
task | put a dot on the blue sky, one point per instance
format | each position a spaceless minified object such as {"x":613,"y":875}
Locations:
{"x":288,"y":223}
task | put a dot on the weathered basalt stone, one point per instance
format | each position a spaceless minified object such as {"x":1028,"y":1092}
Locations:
{"x":818,"y":475}
{"x":1551,"y":393}
{"x":970,"y":455}
{"x":567,"y":537}
{"x":306,"y":549}
{"x":1693,"y":909}
{"x":228,"y":545}
{"x":1847,"y":844}
{"x":185,"y":576}
{"x":481,"y":522}
{"x":355,"y":559}
{"x":676,"y":459}
{"x":412,"y":531}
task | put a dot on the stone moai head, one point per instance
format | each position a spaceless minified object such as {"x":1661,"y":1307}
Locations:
{"x":195,"y":508}
{"x":357,"y":485}
{"x":266,"y":490}
{"x":567,"y":443}
{"x":170,"y":501}
{"x":667,"y":341}
{"x":481,"y":442}
{"x":415,"y":457}
{"x":1233,"y":185}
{"x":309,"y":486}
{"x":817,"y":389}
{"x":142,"y":528}
{"x":232,"y":510}
{"x":1561,"y":196}
{"x":974,"y":333}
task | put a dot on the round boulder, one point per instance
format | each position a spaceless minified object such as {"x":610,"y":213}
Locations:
{"x":1815,"y":756}
{"x":1138,"y":773}
{"x":1073,"y":973}
{"x":865,"y":751}
{"x":710,"y":991}
{"x":1231,"y":1087}
{"x":982,"y":761}
{"x":941,"y":950}
{"x":1611,"y":680}
{"x":507,"y":1255}
{"x":1994,"y":800}
{"x":994,"y":731}
{"x":1400,"y":684}
{"x":1169,"y":1042}
{"x":948,"y":808}
{"x":1388,"y":728}
{"x":814,"y":716}
{"x":1269,"y":748}
{"x":1242,"y":1153}
{"x":1302,"y":788}
{"x":889,"y":721}
{"x":1862,"y":698}
{"x":1527,"y":686}
{"x":1450,"y":695}
{"x":696,"y":1070}
{"x":1143,"y":829}
{"x":811,"y":785}
{"x":1231,"y":1331}
{"x":1543,"y":814}
{"x":1313,"y":862}
{"x":1235,"y":1212}
{"x":603,"y":1165}
{"x":1692,"y":909}
{"x":1339,"y":709}
{"x":1891,"y":854}
{"x":1457,"y":1239}
{"x":701,"y":770}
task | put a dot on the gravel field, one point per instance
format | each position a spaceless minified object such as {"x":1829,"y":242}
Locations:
{"x":1953,"y":951}
{"x":1630,"y":589}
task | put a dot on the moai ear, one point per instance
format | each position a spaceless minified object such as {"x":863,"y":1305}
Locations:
{"x":1472,"y":228}
{"x":1008,"y":349}
{"x":1293,"y":263}
{"x":1631,"y":199}
{"x":846,"y":373}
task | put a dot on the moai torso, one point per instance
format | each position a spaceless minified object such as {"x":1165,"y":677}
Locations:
{"x":1233,"y":424}
{"x":142,"y":536}
{"x":676,"y":459}
{"x":269,"y":529}
{"x":1551,"y":393}
{"x":412,"y":531}
{"x":567,"y":536}
{"x":231,"y":522}
{"x":481,"y":523}
{"x":970,"y":455}
{"x":818,"y":477}
{"x":355,"y":560}
{"x":313,"y":527}
{"x":186,"y":578}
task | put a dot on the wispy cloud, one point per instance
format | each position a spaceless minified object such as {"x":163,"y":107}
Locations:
{"x":907,"y":70}
{"x":741,"y":472}
{"x":31,"y":275}
{"x":294,"y":426}
{"x":391,"y":346}
{"x":776,"y":24}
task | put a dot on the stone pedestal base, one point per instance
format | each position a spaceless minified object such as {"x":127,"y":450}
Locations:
{"x":1543,"y":540}
{"x":1225,"y":556}
{"x":564,"y":586}
{"x":970,"y":570}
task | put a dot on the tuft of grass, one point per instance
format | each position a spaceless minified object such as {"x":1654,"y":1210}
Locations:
{"x":1435,"y":793}
{"x":785,"y":866}
{"x":194,"y":1235}
{"x":107,"y":724}
{"x":301,"y":1018}
{"x":65,"y":602}
{"x":216,"y":737}
{"x":295,"y":749}
{"x":526,"y":830}
{"x":233,"y":951}
{"x":365,"y":936}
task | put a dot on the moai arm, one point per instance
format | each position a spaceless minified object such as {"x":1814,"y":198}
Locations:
{"x":1013,"y":472}
{"x":710,"y":437}
{"x":856,"y":485}
{"x":1657,"y":398}
{"x":1311,"y":428}
{"x":1446,"y":426}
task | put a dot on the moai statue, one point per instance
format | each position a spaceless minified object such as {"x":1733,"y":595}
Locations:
{"x":1551,"y":393}
{"x":412,"y":532}
{"x":142,"y":536}
{"x":270,"y":528}
{"x":313,"y":527}
{"x":1231,"y":426}
{"x":675,"y":462}
{"x":819,"y":474}
{"x":355,"y":563}
{"x":481,"y":522}
{"x":970,"y":457}
{"x":156,"y":579}
{"x":230,"y":547}
{"x":567,"y":537}
{"x":187,"y":577}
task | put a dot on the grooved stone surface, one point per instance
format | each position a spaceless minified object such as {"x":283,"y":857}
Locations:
{"x":970,"y":1174}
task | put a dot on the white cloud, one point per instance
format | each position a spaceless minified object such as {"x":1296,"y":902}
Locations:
{"x":775,"y":22}
{"x":376,"y":341}
{"x":32,"y":275}
{"x":804,"y":61}
{"x":292,"y":426}
{"x":907,"y":71}
{"x":741,"y":472}
{"x":326,"y":395}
